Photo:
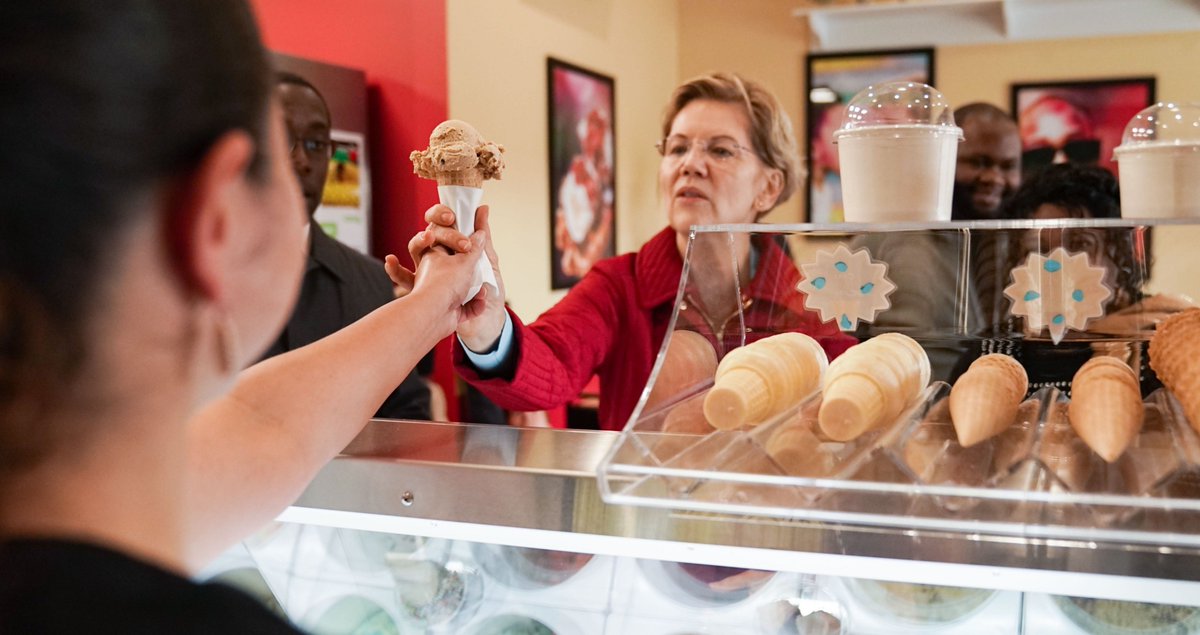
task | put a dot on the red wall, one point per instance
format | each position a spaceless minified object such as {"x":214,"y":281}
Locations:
{"x":401,"y":45}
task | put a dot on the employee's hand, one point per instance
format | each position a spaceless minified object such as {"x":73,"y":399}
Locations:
{"x":481,"y":326}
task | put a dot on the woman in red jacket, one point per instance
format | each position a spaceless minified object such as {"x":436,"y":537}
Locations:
{"x":728,"y":156}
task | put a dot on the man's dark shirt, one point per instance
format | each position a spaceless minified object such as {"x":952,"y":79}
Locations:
{"x":340,"y":286}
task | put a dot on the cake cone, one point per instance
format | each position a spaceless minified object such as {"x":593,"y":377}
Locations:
{"x":1175,"y":357}
{"x":764,"y":378}
{"x":984,"y":401}
{"x":1106,"y":406}
{"x":797,"y":451}
{"x":741,"y":397}
{"x":870,"y":384}
{"x":688,"y":361}
{"x":853,"y":404}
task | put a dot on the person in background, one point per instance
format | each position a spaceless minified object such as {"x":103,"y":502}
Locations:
{"x":1066,"y":191}
{"x":728,"y":156}
{"x":989,"y":162}
{"x":151,"y":246}
{"x":340,"y":284}
{"x":987,"y":175}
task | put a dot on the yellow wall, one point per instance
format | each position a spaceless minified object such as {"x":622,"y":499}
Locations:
{"x":985,"y":72}
{"x":758,"y":39}
{"x":497,"y":53}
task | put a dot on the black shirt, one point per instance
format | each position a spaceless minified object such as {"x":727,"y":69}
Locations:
{"x":340,"y":286}
{"x":52,"y":587}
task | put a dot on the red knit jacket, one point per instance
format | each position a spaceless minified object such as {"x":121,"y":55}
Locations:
{"x":612,"y":324}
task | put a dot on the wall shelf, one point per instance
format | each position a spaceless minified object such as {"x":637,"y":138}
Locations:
{"x":953,"y":22}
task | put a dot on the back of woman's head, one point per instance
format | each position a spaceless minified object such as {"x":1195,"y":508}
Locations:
{"x":102,"y":101}
{"x":1082,"y":191}
{"x":771,"y":131}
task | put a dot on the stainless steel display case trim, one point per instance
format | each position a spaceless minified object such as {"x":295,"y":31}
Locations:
{"x":538,"y":488}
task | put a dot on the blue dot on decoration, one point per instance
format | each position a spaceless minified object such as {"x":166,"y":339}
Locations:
{"x":1077,"y":295}
{"x":1058,"y":319}
{"x":819,"y":283}
{"x":840,"y":266}
{"x":866,"y":288}
{"x":1030,"y":296}
{"x":845,"y":321}
{"x":1052,"y":266}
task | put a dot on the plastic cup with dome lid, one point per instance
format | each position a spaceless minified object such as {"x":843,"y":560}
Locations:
{"x":898,"y":148}
{"x":1159,"y":162}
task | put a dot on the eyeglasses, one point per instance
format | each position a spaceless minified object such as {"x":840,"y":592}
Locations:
{"x":313,"y":147}
{"x":1076,"y":151}
{"x":718,"y":149}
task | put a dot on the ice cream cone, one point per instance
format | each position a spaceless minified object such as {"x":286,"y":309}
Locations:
{"x":985,"y":399}
{"x":853,"y":403}
{"x":1106,"y":406}
{"x":688,"y":362}
{"x":797,"y":451}
{"x":741,"y":397}
{"x":764,"y":378}
{"x":1175,"y":358}
{"x":464,"y":178}
{"x":456,"y":149}
{"x":870,"y":384}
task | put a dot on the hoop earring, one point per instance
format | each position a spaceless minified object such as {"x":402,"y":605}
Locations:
{"x":227,"y":344}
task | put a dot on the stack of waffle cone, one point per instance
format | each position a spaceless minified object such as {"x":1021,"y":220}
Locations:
{"x":764,"y":378}
{"x":1106,"y":406}
{"x":870,"y":384}
{"x":1176,"y":360}
{"x":985,"y":399}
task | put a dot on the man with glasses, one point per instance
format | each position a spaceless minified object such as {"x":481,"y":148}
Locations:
{"x":340,"y":285}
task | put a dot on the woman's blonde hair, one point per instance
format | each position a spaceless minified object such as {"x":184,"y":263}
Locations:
{"x":771,"y":131}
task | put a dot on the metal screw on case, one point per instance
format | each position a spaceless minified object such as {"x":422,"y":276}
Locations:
{"x":407,"y":499}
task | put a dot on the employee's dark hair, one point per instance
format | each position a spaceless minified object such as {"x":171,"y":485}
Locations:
{"x":101,"y":102}
{"x":1089,"y":191}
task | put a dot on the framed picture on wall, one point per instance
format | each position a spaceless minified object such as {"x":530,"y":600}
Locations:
{"x":1076,"y":121}
{"x":582,"y":129}
{"x":831,"y":80}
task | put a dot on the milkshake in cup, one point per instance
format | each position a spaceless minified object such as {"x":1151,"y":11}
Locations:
{"x":1159,"y":163}
{"x":898,"y":147}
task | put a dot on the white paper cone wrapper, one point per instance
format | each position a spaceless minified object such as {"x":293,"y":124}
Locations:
{"x":464,"y":200}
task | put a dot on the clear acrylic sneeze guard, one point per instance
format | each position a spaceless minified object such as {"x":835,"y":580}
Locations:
{"x":1052,"y":294}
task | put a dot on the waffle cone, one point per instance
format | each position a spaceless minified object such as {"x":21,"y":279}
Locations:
{"x":1106,"y":406}
{"x":465,"y":178}
{"x":1175,"y":358}
{"x":984,"y":401}
{"x":853,"y":404}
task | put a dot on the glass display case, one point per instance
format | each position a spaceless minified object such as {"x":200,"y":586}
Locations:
{"x":676,"y":526}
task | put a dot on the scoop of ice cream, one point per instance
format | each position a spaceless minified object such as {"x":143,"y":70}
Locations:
{"x":456,"y":147}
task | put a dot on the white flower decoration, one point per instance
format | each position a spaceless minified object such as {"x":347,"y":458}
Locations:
{"x":1058,"y":291}
{"x":846,"y":287}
